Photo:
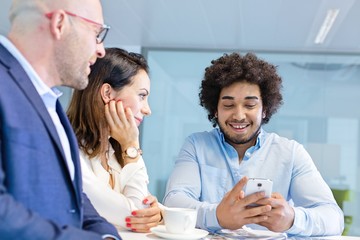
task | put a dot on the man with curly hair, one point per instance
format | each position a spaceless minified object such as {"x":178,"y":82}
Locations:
{"x":240,"y":94}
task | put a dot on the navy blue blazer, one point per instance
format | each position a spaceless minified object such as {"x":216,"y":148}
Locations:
{"x":38,"y":199}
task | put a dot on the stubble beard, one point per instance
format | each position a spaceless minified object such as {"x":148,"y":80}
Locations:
{"x":238,"y":140}
{"x":74,"y":77}
{"x":71,"y":73}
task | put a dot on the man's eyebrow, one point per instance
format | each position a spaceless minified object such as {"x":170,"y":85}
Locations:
{"x":227,"y":97}
{"x":251,"y":97}
{"x":246,"y":98}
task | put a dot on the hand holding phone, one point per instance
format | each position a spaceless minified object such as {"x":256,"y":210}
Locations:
{"x":259,"y":185}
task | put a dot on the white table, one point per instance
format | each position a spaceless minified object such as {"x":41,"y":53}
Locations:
{"x":340,"y":237}
{"x":128,"y":235}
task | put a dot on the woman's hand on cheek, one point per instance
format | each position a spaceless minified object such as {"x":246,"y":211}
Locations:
{"x":122,"y":124}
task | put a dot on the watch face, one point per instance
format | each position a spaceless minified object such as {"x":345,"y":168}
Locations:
{"x":132,"y":152}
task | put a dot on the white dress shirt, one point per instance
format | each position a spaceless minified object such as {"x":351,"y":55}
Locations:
{"x":130,"y":187}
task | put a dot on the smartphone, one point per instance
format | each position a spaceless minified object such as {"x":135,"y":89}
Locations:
{"x":259,"y":185}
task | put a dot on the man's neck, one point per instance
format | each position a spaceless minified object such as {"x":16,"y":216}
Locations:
{"x":242,"y":148}
{"x":40,"y":59}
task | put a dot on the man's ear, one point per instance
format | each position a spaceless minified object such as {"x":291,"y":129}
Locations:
{"x":57,"y":23}
{"x":263,"y":114}
{"x":105,"y":92}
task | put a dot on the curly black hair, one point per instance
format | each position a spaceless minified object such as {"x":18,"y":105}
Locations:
{"x":231,"y":68}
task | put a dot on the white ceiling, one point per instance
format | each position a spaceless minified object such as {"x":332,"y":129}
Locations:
{"x":280,"y":25}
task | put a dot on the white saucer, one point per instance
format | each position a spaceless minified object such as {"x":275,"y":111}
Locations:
{"x":161,"y":232}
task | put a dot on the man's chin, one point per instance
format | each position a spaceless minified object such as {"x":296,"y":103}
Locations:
{"x":238,"y":141}
{"x":81,"y":85}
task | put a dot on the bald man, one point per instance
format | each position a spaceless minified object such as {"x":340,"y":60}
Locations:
{"x":51,"y":43}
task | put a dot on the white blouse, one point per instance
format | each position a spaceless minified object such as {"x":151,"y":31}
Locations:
{"x":130,"y":187}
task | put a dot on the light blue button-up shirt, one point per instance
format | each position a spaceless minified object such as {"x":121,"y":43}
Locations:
{"x":208,"y":167}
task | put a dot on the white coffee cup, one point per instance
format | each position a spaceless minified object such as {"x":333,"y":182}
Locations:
{"x":180,"y":220}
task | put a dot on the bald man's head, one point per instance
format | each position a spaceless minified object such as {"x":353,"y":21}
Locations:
{"x":58,"y":37}
{"x":25,"y":15}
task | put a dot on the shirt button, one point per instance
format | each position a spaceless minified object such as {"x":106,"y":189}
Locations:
{"x":72,"y":211}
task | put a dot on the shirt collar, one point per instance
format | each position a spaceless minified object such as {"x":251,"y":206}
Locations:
{"x":250,"y":151}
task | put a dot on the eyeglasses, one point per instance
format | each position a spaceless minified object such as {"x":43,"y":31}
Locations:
{"x":103,"y":27}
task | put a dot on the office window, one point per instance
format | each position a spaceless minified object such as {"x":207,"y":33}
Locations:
{"x":320,"y":91}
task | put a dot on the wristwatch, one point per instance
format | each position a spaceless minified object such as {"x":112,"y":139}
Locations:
{"x":132,"y":152}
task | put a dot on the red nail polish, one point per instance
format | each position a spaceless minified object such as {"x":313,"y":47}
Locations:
{"x":128,"y":225}
{"x":145,"y":201}
{"x":127,"y":219}
{"x":133,"y":229}
{"x":133,"y":213}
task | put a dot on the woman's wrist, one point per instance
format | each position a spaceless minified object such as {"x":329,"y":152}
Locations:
{"x":128,"y":144}
{"x":131,"y":154}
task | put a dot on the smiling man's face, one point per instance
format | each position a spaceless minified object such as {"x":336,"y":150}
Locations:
{"x":240,"y":113}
